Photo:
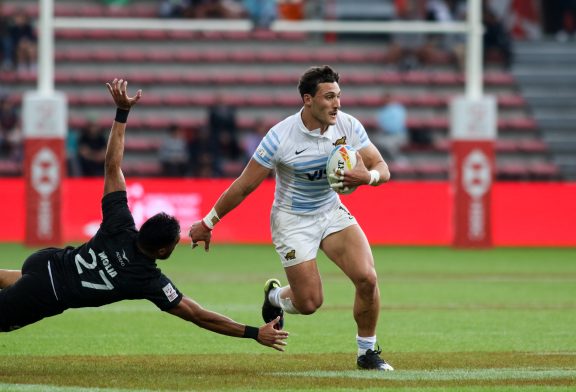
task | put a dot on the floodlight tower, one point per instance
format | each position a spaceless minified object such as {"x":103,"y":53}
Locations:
{"x":44,"y":123}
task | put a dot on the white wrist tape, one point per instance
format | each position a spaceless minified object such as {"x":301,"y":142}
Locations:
{"x":211,"y":219}
{"x":374,"y":177}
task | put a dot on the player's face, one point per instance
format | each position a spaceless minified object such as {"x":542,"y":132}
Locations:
{"x":325,"y":104}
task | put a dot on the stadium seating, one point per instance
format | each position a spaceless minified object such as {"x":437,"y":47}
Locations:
{"x":183,"y":72}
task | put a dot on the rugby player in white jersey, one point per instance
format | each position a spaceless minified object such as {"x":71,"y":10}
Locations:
{"x":307,"y":214}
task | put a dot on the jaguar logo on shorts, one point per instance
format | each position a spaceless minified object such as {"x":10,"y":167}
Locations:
{"x":340,"y":141}
{"x":290,"y":255}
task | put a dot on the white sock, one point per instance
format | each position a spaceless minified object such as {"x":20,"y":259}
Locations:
{"x":274,"y":296}
{"x":365,"y":344}
{"x":288,"y":306}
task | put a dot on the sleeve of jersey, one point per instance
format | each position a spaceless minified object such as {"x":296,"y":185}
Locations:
{"x":116,"y":215}
{"x":267,"y":149}
{"x":163,"y":293}
{"x":361,"y":139}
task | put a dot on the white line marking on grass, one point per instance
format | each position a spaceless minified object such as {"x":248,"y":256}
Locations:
{"x":53,"y":388}
{"x":441,"y":375}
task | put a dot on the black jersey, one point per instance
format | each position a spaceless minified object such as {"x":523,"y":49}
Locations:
{"x":109,"y":267}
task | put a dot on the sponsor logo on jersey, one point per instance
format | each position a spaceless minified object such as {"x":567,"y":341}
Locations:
{"x":261,"y":152}
{"x":290,"y":255}
{"x":340,"y":141}
{"x":170,"y":293}
{"x":122,"y":259}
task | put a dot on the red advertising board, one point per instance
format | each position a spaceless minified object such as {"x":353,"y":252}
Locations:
{"x":473,"y":177}
{"x":44,"y":168}
{"x":398,"y":213}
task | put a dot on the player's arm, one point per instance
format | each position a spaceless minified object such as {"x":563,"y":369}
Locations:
{"x":370,"y":169}
{"x":266,"y":335}
{"x":113,"y":176}
{"x":252,"y":176}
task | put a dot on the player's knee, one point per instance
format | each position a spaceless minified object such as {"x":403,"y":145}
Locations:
{"x":368,"y":283}
{"x":310,"y":305}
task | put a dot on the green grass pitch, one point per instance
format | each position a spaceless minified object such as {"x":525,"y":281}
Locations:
{"x":451,"y":320}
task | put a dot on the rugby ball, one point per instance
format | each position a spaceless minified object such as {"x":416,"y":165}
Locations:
{"x":341,"y":157}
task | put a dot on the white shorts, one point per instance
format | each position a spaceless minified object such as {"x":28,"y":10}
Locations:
{"x":297,"y":237}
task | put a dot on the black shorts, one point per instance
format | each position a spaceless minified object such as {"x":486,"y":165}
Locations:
{"x":32,"y":297}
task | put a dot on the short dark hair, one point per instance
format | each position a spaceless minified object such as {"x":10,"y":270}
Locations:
{"x":313,"y":76}
{"x":159,"y":231}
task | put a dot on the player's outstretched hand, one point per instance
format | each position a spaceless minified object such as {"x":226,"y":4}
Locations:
{"x":271,"y":337}
{"x":118,"y":91}
{"x":198,"y":233}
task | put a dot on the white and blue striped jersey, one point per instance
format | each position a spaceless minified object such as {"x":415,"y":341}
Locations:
{"x":299,"y":158}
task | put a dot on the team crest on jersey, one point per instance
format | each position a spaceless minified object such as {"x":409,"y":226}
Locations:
{"x":340,"y":142}
{"x":290,"y":255}
{"x":171,"y":294}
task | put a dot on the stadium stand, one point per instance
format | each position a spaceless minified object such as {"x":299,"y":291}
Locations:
{"x":182,"y":73}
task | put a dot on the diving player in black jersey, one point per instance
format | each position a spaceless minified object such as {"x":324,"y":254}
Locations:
{"x":118,"y":263}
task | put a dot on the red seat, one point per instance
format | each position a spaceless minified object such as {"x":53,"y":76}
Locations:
{"x":154,"y":35}
{"x":432,"y":170}
{"x":141,"y":144}
{"x":352,"y":57}
{"x":73,"y":55}
{"x":532,"y":146}
{"x":499,"y":78}
{"x":177,"y":100}
{"x":250,"y":78}
{"x":157,"y":56}
{"x":213,"y":56}
{"x":202,"y":100}
{"x":140,"y":168}
{"x":388,"y":78}
{"x":182,"y":35}
{"x":132,"y":55}
{"x":100,"y":34}
{"x":245,"y":56}
{"x":360,"y":78}
{"x":143,"y":10}
{"x":126,"y":35}
{"x":90,"y":11}
{"x":507,"y":146}
{"x":444,"y":78}
{"x":70,"y":34}
{"x":521,"y":124}
{"x":167,"y":78}
{"x":511,"y":101}
{"x":280,"y":78}
{"x":186,"y":56}
{"x":156,"y":122}
{"x":224,"y":79}
{"x":512,"y":171}
{"x":544,"y":170}
{"x":291,"y":35}
{"x":263,"y":35}
{"x":10,"y":168}
{"x":258,"y":100}
{"x":402,"y":170}
{"x":288,"y":100}
{"x":105,"y":56}
{"x":415,"y":77}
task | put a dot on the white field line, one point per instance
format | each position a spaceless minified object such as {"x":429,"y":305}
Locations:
{"x":442,"y":375}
